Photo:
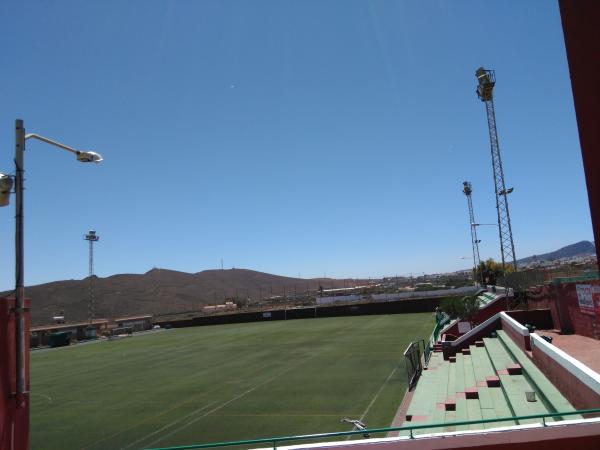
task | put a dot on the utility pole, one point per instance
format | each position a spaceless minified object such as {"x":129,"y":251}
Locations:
{"x":485,"y":88}
{"x":468,"y":190}
{"x":91,"y":237}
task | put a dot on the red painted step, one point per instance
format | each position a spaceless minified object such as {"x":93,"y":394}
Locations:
{"x":471,"y":393}
{"x":492,"y":381}
{"x":450,"y":404}
{"x":514,"y":369}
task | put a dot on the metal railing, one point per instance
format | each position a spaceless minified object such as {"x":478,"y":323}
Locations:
{"x":414,"y":367}
{"x":439,"y":325}
{"x":277,"y":440}
{"x":441,"y":321}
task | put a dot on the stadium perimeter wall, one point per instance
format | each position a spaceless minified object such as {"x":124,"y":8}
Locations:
{"x":360,"y":309}
{"x":568,"y":314}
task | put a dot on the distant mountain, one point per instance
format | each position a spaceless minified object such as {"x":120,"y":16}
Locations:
{"x":578,"y":249}
{"x":161,"y":291}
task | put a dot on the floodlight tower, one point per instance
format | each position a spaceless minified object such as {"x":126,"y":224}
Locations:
{"x":467,"y":190}
{"x":486,"y":82}
{"x":91,"y":237}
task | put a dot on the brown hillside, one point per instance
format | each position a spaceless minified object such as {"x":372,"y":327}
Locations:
{"x":161,"y":291}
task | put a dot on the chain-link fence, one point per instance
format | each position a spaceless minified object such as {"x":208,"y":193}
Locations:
{"x":520,"y":281}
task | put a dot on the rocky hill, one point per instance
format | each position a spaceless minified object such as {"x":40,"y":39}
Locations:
{"x":161,"y":291}
{"x":578,"y":249}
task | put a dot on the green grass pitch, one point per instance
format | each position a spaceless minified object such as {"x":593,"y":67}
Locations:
{"x":219,"y":383}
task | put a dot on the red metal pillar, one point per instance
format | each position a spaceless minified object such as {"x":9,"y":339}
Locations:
{"x":14,"y":412}
{"x":581,"y":28}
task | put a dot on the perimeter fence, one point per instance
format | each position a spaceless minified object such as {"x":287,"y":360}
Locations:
{"x":522,"y":280}
{"x":274,"y":442}
{"x":414,"y":366}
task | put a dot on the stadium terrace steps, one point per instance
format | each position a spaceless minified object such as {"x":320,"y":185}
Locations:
{"x":460,"y":393}
{"x":550,"y":395}
{"x":486,"y":298}
{"x":488,"y":382}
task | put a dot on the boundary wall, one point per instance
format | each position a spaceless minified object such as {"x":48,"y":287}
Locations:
{"x":569,"y":316}
{"x":576,"y":381}
{"x":360,"y":309}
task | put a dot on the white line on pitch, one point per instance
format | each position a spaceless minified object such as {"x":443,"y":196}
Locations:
{"x":364,"y":414}
{"x":237,"y":397}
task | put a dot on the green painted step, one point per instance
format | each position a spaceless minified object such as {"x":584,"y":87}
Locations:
{"x":482,"y":367}
{"x":515,"y":387}
{"x":474,"y":413}
{"x":461,"y":413}
{"x":450,"y":417}
{"x":442,"y":383}
{"x":485,"y":397}
{"x":451,"y":379}
{"x":491,"y":414}
{"x":500,"y":408}
{"x":469,"y":374}
{"x":497,"y":353}
{"x":550,"y":394}
{"x":438,"y":416}
{"x":459,"y":378}
{"x":431,"y":388}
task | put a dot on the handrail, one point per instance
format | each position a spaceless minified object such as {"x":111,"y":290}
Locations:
{"x":275,"y":440}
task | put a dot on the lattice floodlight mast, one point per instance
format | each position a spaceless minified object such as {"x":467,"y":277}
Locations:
{"x":91,"y":237}
{"x":486,"y":81}
{"x":468,"y":190}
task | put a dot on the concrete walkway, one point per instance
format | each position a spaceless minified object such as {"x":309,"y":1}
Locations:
{"x":583,"y":348}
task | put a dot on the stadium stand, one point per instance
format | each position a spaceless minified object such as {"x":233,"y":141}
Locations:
{"x":491,"y":378}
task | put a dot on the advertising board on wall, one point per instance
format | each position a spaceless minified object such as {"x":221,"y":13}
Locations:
{"x":585,"y":298}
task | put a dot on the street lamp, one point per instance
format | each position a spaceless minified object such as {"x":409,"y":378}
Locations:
{"x":6,"y":184}
{"x":82,"y":156}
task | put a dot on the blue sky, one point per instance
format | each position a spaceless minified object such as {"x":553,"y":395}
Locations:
{"x":291,"y":137}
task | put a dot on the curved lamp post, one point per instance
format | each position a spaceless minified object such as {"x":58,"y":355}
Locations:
{"x":83,"y":156}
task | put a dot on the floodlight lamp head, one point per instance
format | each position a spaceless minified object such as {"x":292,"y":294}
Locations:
{"x":486,"y":81}
{"x":480,"y":73}
{"x":89,"y":157}
{"x":467,"y":188}
{"x":91,"y":236}
{"x":6,"y":184}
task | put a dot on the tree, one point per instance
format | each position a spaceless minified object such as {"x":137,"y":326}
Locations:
{"x":489,"y":271}
{"x":465,"y":308}
{"x":451,"y":306}
{"x":470,"y":308}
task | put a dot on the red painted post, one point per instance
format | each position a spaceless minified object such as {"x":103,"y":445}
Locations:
{"x":581,"y":28}
{"x":14,"y":412}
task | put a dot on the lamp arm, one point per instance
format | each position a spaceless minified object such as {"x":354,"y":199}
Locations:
{"x":51,"y":142}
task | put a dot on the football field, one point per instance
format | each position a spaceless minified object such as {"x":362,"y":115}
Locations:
{"x":223,"y":382}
